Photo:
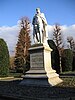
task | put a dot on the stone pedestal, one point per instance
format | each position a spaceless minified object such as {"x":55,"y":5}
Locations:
{"x":41,"y":72}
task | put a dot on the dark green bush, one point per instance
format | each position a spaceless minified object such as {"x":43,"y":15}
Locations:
{"x":4,"y":58}
{"x":73,"y":63}
{"x":55,"y":60}
{"x":27,"y":65}
{"x":19,"y":63}
{"x":21,"y":66}
{"x":66,"y":60}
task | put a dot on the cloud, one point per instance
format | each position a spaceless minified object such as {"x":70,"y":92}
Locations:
{"x":10,"y":34}
{"x":68,"y":31}
{"x":65,"y":30}
{"x":50,"y":31}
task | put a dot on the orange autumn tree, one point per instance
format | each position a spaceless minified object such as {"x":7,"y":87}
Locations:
{"x":23,"y":44}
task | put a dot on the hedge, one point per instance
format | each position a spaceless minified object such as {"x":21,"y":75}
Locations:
{"x":4,"y":58}
{"x":66,"y":60}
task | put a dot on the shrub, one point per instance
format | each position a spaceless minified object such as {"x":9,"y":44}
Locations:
{"x":4,"y":58}
{"x":73,"y":63}
{"x":19,"y":62}
{"x":66,"y":60}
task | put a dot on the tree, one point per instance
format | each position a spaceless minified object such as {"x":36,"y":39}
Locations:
{"x":23,"y":44}
{"x":71,"y":42}
{"x":4,"y":58}
{"x":12,"y":66}
{"x":73,"y":63}
{"x":54,"y":56}
{"x":57,"y":36}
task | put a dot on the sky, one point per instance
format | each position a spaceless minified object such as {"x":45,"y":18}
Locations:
{"x":56,"y":11}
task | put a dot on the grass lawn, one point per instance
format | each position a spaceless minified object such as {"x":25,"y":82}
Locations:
{"x":68,"y":72}
{"x":11,"y":76}
{"x":67,"y":81}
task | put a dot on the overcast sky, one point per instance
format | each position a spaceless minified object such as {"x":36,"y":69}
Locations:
{"x":56,"y":11}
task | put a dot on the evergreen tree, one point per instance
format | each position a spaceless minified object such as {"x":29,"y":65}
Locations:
{"x":54,"y":56}
{"x":66,"y":60}
{"x":73,"y":63}
{"x":23,"y":44}
{"x":4,"y":58}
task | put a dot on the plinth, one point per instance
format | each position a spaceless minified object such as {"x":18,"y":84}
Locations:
{"x":41,"y":72}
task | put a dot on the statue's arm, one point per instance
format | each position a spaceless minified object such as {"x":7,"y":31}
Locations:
{"x":33,"y":20}
{"x":33,"y":27}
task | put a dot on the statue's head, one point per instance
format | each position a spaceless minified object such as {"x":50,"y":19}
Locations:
{"x":37,"y":10}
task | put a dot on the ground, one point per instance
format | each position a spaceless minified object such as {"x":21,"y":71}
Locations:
{"x":10,"y":88}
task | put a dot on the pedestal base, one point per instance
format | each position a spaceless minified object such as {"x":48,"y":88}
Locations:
{"x":35,"y":78}
{"x":41,"y":72}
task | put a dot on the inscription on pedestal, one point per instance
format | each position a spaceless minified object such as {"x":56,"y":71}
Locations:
{"x":36,"y":59}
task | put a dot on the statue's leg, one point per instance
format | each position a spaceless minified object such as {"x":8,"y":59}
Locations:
{"x":36,"y":37}
{"x":40,"y":35}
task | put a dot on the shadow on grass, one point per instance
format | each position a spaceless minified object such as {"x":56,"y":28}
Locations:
{"x":15,"y":90}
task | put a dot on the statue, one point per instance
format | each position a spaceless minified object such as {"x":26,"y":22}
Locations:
{"x":39,"y":22}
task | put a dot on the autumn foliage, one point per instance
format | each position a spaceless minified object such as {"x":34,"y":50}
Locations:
{"x":23,"y":44}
